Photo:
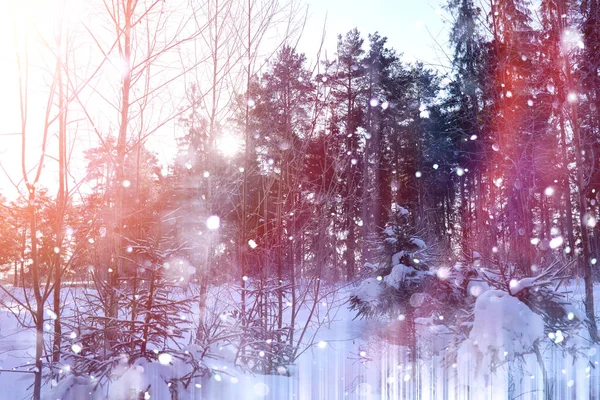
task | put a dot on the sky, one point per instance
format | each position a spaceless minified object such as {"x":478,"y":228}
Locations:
{"x":414,"y":28}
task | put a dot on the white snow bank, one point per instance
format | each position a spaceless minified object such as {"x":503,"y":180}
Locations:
{"x":503,"y":328}
{"x":503,"y":322}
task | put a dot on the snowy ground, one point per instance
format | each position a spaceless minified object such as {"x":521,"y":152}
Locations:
{"x":344,"y":359}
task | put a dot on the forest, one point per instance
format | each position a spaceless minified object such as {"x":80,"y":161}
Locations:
{"x":333,"y":225}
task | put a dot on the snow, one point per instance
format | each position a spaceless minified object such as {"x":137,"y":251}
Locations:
{"x":371,"y":266}
{"x":389,"y":231}
{"x":391,"y":240}
{"x":418,"y":242}
{"x":401,"y":273}
{"x":504,"y":328}
{"x":397,"y":256}
{"x":354,"y":361}
{"x":525,"y":283}
{"x":504,"y":322}
{"x":574,"y":312}
{"x":73,"y":388}
{"x":369,"y":290}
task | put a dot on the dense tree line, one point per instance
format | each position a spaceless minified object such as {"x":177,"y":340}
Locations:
{"x":495,"y":160}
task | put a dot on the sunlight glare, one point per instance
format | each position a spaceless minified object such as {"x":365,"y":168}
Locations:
{"x":228,"y":145}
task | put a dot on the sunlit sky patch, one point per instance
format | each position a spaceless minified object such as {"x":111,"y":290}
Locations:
{"x":36,"y":22}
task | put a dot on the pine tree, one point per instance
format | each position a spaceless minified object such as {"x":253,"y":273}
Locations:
{"x":400,"y":285}
{"x":348,"y":90}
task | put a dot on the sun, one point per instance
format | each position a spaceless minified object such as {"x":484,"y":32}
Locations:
{"x":228,"y":145}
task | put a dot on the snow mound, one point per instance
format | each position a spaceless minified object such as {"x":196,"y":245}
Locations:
{"x":504,"y":322}
{"x":503,"y":328}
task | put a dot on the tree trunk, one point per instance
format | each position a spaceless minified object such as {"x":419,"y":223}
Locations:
{"x":39,"y":300}
{"x":587,"y":265}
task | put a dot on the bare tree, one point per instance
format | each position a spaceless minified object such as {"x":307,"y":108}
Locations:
{"x":46,"y":279}
{"x":147,"y":35}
